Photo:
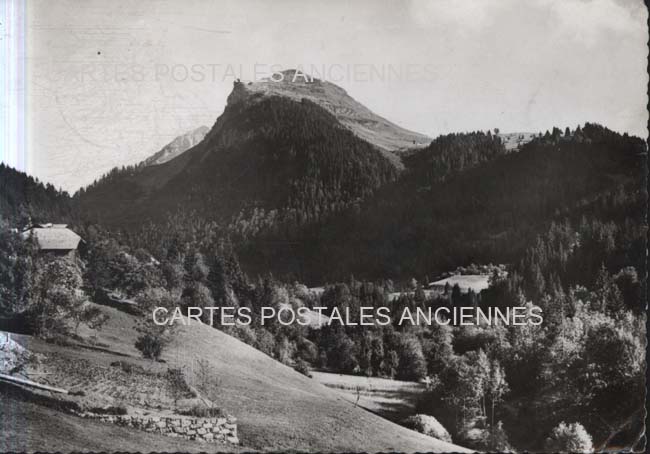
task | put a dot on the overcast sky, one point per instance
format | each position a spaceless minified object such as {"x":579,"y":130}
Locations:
{"x":110,"y":82}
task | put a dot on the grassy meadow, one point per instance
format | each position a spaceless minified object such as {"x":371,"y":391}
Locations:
{"x":391,"y":399}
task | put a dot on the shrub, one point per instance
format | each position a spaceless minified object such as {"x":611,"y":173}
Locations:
{"x":569,"y":438}
{"x":244,"y":333}
{"x":153,"y":338}
{"x":178,"y":384}
{"x":302,"y":367}
{"x":203,"y":412}
{"x":12,"y":391}
{"x":128,"y":367}
{"x":149,"y":345}
{"x":265,"y":341}
{"x":112,"y":410}
{"x":481,"y":437}
{"x":206,"y":381}
{"x":412,"y":365}
{"x":284,"y":350}
{"x":427,"y":425}
{"x":307,"y":350}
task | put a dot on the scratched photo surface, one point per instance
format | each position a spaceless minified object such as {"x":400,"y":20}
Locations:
{"x":370,"y":226}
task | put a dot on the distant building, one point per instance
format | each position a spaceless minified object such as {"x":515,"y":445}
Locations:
{"x":55,"y":239}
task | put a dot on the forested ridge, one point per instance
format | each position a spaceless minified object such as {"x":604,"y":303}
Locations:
{"x":450,"y":154}
{"x":23,"y":197}
{"x":462,"y":199}
{"x":276,"y":163}
{"x":319,"y":204}
{"x":489,"y":209}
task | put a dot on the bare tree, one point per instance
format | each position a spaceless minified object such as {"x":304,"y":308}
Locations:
{"x":207,"y":382}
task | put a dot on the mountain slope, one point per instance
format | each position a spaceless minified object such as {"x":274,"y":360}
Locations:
{"x":385,"y":135}
{"x":457,"y":207}
{"x":285,"y":177}
{"x":177,"y":146}
{"x":277,"y":408}
{"x":272,"y":154}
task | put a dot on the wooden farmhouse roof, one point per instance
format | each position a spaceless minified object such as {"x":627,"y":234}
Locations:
{"x":54,"y":238}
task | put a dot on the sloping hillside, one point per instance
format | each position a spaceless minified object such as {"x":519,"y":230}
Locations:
{"x":277,"y":408}
{"x":464,"y":199}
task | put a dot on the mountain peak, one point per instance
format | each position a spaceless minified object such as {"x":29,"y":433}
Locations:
{"x":296,"y":85}
{"x":290,"y":83}
{"x":177,"y":146}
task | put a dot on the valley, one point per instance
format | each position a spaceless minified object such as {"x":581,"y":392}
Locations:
{"x":301,"y":200}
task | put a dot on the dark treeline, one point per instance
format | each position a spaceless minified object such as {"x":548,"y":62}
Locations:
{"x":460,"y":200}
{"x":300,"y":195}
{"x":23,"y":197}
{"x":452,"y":153}
{"x":488,"y":213}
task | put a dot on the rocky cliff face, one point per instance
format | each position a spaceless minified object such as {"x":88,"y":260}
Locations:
{"x":386,"y":136}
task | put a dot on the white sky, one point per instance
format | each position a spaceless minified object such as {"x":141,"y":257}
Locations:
{"x":97,"y":95}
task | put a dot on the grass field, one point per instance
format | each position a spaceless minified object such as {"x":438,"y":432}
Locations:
{"x":391,"y":399}
{"x":277,"y":408}
{"x":28,"y":427}
{"x":514,"y":140}
{"x":476,"y":282}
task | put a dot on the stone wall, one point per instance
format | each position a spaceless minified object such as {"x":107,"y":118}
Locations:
{"x":213,"y":430}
